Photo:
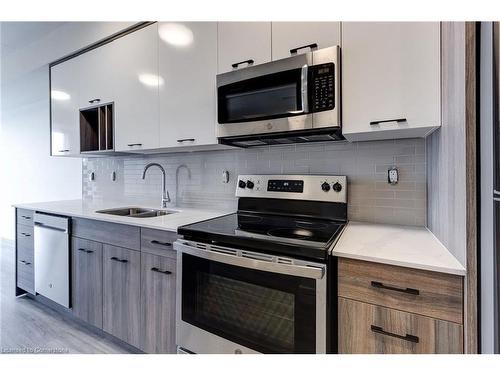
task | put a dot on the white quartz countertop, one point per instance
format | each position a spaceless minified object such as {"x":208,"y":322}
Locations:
{"x":406,"y":246}
{"x":87,"y":209}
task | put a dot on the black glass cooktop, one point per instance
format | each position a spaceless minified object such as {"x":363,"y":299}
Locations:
{"x":268,"y":232}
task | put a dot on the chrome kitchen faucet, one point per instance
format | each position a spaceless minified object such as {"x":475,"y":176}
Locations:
{"x":165,"y":197}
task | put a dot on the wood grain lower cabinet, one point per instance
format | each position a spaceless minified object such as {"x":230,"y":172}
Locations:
{"x":369,"y":329}
{"x":157,"y":304}
{"x":122,"y":293}
{"x":86,"y":276}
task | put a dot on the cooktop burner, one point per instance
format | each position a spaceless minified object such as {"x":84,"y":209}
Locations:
{"x":298,"y":233}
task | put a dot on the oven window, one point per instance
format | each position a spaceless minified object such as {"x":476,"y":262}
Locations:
{"x":267,"y":312}
{"x":265,"y":97}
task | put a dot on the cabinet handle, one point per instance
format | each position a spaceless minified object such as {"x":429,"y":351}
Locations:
{"x":186,"y":140}
{"x":249,"y":62}
{"x":156,"y":242}
{"x":155,"y":269}
{"x":379,"y":285}
{"x":312,"y":46}
{"x":134,"y":144}
{"x":119,"y":260}
{"x":24,"y":262}
{"x":96,"y":100}
{"x":26,"y":234}
{"x":392,"y":120}
{"x":26,"y":217}
{"x":407,"y":337}
{"x":86,"y":251}
{"x":63,"y":151}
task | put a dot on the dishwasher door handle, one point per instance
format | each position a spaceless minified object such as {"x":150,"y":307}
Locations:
{"x":46,"y":226}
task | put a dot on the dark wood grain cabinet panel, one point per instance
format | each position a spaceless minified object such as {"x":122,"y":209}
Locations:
{"x":110,"y":233}
{"x":122,"y":293}
{"x":369,"y":329}
{"x":433,"y":294}
{"x":87,"y":280}
{"x":157,"y":304}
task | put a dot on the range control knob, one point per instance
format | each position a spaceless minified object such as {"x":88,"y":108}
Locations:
{"x":242,"y":184}
{"x":325,"y":186}
{"x":250,"y":184}
{"x":337,"y":187}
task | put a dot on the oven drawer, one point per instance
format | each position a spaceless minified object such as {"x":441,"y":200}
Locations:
{"x":158,"y":242}
{"x":427,"y":293}
{"x":369,"y":329}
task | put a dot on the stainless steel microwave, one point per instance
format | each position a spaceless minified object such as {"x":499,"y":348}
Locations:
{"x":296,"y":95}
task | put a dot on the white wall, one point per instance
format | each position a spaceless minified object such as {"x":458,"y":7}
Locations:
{"x":27,"y":171}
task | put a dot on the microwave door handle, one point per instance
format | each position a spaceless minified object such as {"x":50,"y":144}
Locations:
{"x":303,"y":89}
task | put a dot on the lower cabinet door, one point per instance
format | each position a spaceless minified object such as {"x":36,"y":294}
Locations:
{"x":371,"y":329}
{"x":157,"y":304}
{"x":121,"y":293}
{"x":86,"y":271}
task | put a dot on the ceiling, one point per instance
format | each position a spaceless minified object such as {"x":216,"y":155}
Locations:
{"x":16,"y":35}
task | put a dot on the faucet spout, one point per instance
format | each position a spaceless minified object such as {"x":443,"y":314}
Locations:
{"x":165,"y":197}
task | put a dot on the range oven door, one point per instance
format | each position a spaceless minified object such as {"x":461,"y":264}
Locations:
{"x":297,"y":93}
{"x":234,"y":301}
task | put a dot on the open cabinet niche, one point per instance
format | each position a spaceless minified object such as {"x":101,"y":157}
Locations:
{"x":96,"y":129}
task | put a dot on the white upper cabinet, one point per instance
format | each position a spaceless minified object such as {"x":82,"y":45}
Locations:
{"x":136,"y":82}
{"x":65,"y":136}
{"x":240,"y":42}
{"x":390,"y":79}
{"x":291,"y":35}
{"x":188,"y":66}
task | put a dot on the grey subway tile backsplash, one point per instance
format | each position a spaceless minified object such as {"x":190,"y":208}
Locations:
{"x":365,"y":164}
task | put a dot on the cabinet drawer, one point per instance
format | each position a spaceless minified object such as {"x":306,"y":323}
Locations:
{"x":370,"y":329}
{"x":24,"y":217}
{"x":24,"y":236}
{"x":25,"y":253}
{"x":127,"y":236}
{"x":158,"y":242}
{"x":25,"y":275}
{"x":422,"y":292}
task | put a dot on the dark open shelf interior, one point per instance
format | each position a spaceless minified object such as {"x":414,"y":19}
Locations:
{"x":96,"y":128}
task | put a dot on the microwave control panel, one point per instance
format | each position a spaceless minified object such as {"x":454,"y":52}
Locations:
{"x":323,"y":87}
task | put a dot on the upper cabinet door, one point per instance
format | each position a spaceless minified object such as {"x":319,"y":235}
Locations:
{"x":136,"y":82}
{"x":65,"y":128}
{"x":240,"y":42}
{"x":287,"y":36}
{"x":96,"y":78}
{"x":188,"y":66}
{"x":390,"y":79}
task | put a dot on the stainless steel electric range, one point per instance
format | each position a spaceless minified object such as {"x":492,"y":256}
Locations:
{"x":258,"y":280}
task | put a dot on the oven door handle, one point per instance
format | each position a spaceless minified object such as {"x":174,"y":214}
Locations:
{"x":303,"y":89}
{"x":309,"y":272}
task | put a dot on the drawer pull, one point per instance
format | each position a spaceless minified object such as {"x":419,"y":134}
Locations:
{"x":155,"y":269}
{"x":379,"y":285}
{"x":407,"y":337}
{"x":186,"y":140}
{"x":311,"y":46}
{"x":26,"y":217}
{"x":86,"y":251}
{"x":24,"y":262}
{"x":119,"y":260}
{"x":156,"y":242}
{"x":134,"y":144}
{"x":391,"y":120}
{"x":249,"y":62}
{"x":26,"y":234}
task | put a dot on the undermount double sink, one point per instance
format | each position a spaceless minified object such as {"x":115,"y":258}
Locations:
{"x":136,"y":212}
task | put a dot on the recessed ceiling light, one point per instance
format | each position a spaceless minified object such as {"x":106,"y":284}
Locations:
{"x":152,"y":80}
{"x":176,"y":34}
{"x":59,"y":95}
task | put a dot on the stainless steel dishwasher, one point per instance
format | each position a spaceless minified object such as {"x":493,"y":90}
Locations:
{"x":52,"y":257}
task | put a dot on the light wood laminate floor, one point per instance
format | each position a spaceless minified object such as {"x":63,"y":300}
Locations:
{"x":27,"y":326}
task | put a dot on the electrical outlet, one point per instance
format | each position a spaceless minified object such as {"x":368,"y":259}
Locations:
{"x":393,"y":176}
